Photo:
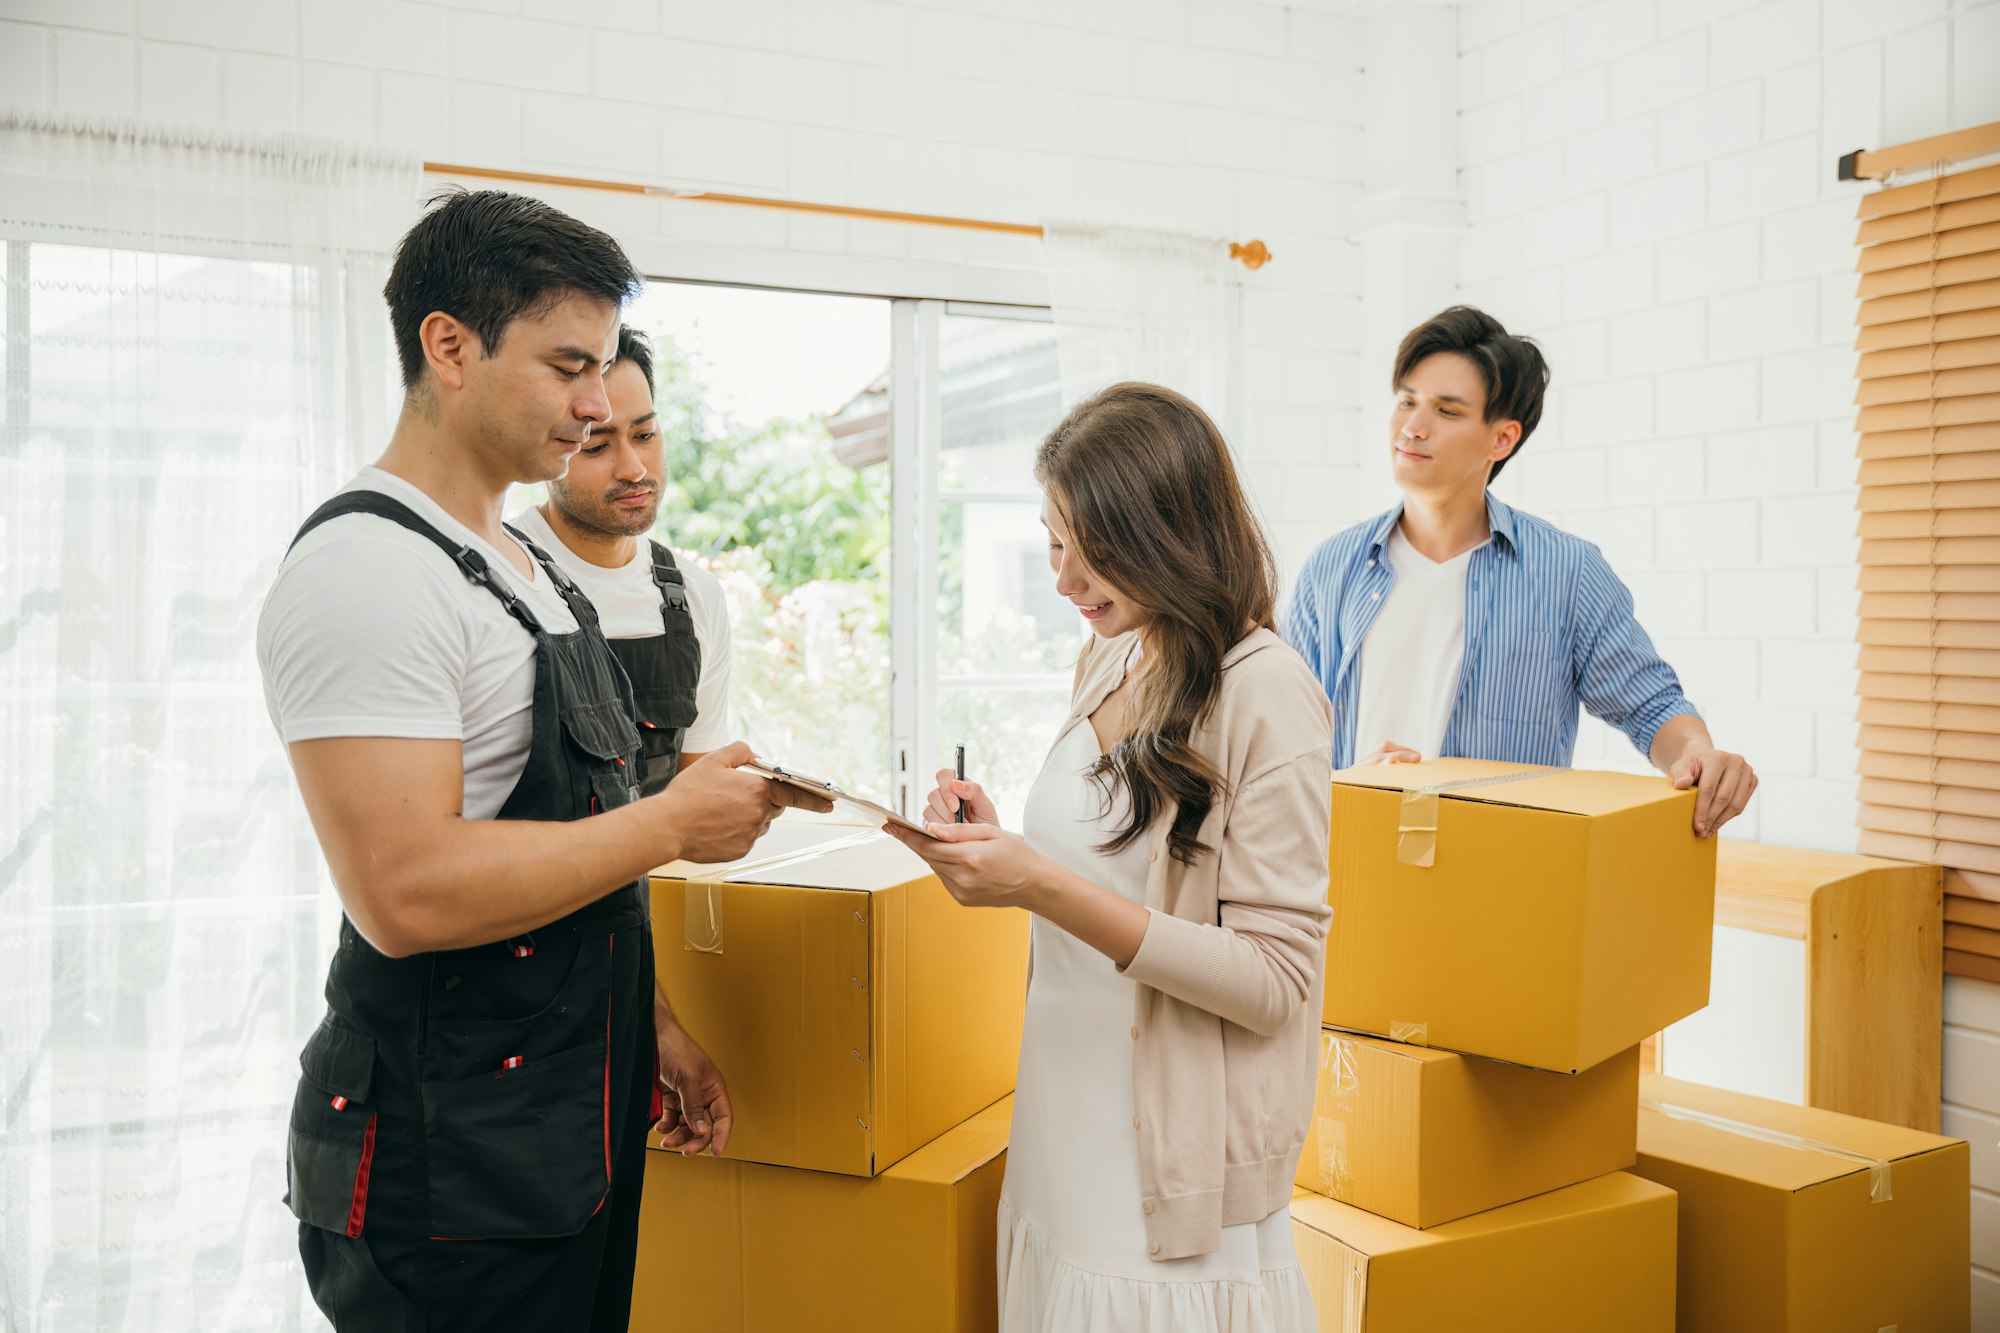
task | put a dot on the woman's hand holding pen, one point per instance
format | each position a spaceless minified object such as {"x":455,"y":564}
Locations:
{"x":980,"y":863}
{"x":952,"y":793}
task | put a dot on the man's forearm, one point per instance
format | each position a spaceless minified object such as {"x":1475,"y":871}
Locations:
{"x":1676,"y":736}
{"x":481,"y":880}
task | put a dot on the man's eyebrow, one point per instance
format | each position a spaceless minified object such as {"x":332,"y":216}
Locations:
{"x":574,"y":354}
{"x":1441,"y":397}
{"x":605,"y":427}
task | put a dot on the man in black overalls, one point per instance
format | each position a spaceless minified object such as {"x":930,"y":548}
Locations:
{"x":668,"y":626}
{"x":467,"y":1140}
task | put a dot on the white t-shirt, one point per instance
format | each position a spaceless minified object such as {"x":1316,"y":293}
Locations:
{"x":1411,"y":655}
{"x":371,"y":630}
{"x":628,"y":607}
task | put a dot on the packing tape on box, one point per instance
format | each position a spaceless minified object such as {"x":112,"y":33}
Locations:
{"x":1341,"y":1083}
{"x":701,"y":909}
{"x":1410,"y":1034}
{"x":1417,"y":826}
{"x":1878,"y":1168}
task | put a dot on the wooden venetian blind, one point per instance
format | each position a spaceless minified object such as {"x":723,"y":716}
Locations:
{"x":1929,"y":422}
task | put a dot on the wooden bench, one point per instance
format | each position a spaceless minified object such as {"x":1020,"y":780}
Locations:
{"x":1865,"y":936}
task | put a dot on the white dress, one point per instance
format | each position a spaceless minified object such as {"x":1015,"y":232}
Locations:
{"x":1072,"y":1236}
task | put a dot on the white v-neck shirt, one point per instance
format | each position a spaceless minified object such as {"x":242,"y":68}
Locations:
{"x":1411,"y":655}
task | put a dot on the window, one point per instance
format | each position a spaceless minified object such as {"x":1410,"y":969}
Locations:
{"x":859,"y":474}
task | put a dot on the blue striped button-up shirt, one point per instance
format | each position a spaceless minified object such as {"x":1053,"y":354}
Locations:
{"x":1548,"y":627}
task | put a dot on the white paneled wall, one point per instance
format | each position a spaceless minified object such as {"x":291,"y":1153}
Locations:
{"x":1214,"y":116}
{"x":1652,"y":191}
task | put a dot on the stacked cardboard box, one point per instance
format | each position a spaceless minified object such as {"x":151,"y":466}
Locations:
{"x":737,"y":1247}
{"x":869,"y":1028}
{"x":1795,"y":1219}
{"x":1508,"y":935}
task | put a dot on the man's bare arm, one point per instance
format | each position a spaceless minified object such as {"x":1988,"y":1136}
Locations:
{"x":414,"y":875}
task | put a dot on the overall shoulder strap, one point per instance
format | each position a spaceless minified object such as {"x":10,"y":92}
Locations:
{"x":580,"y":605}
{"x":667,"y":578}
{"x":470,"y":562}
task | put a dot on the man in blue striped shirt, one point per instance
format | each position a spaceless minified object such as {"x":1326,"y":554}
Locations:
{"x":1454,"y":624}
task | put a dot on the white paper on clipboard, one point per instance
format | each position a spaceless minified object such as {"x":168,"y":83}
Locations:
{"x":881,"y":814}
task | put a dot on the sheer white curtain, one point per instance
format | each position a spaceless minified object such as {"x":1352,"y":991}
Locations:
{"x":1137,"y":304}
{"x":195,"y":352}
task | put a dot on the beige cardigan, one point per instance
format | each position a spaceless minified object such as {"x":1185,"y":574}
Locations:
{"x":1233,"y":961}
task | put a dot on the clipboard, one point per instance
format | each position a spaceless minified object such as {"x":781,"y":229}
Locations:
{"x":881,"y":814}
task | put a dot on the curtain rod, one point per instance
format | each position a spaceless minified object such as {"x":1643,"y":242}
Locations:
{"x":1879,"y":163}
{"x":1251,"y":254}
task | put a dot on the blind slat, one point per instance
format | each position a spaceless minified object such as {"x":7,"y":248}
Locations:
{"x":1945,"y":300}
{"x":1928,"y":578}
{"x":1928,"y":606}
{"x":1922,"y":441}
{"x":1944,"y":689}
{"x":1924,"y":768}
{"x":1972,"y":663}
{"x":1922,"y":741}
{"x":1925,"y":330}
{"x":1903,"y":847}
{"x":1969,"y":410}
{"x":1972,"y":884}
{"x":1921,"y":249}
{"x":1926,"y":496}
{"x":1984,"y":804}
{"x":1951,"y":527}
{"x":1925,"y":550}
{"x":1918,"y":222}
{"x":1909,"y":471}
{"x":1904,"y":714}
{"x":1925,"y":195}
{"x":1925,"y":824}
{"x":1931,"y":356}
{"x":1923,"y":277}
{"x":1963,"y":382}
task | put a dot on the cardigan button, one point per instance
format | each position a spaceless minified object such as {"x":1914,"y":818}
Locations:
{"x":1149,"y":1207}
{"x":1153,"y":1248}
{"x":1135,"y":1034}
{"x":1153,"y":855}
{"x":1135,"y":1122}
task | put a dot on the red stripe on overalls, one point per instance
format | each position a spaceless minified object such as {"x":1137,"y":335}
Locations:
{"x":358,"y":1210}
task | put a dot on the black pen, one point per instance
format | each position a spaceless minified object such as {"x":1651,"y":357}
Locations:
{"x":959,"y":760}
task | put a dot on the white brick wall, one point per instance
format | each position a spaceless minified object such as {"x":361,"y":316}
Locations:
{"x":1228,"y":117}
{"x":1651,"y":191}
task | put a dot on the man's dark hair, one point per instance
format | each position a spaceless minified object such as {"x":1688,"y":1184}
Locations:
{"x":635,"y":347}
{"x":1516,"y":375}
{"x":488,"y":258}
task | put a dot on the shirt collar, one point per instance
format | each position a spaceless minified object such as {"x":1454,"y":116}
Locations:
{"x":1499,"y":517}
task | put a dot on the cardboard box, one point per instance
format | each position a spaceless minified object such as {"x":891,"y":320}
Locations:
{"x":1547,"y":917}
{"x":1422,"y":1137}
{"x":736,"y":1247}
{"x":1595,"y":1256}
{"x":1780,"y":1237}
{"x":856,"y":1010}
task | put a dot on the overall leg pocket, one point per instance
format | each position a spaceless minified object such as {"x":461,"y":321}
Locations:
{"x":520,"y":1153}
{"x":331,"y":1146}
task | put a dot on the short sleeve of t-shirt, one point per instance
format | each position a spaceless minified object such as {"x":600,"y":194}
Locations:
{"x":364,"y":638}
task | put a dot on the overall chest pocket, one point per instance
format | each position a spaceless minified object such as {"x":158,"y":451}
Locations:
{"x":330,"y":1147}
{"x":603,"y":737}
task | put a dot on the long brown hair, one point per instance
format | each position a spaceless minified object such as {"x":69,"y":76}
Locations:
{"x":1146,"y":486}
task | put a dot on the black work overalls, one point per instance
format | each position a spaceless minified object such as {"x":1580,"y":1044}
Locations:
{"x":468,"y":1139}
{"x":664,"y":671}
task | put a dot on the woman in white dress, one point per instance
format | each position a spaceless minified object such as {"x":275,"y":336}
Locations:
{"x":1174,"y":856}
